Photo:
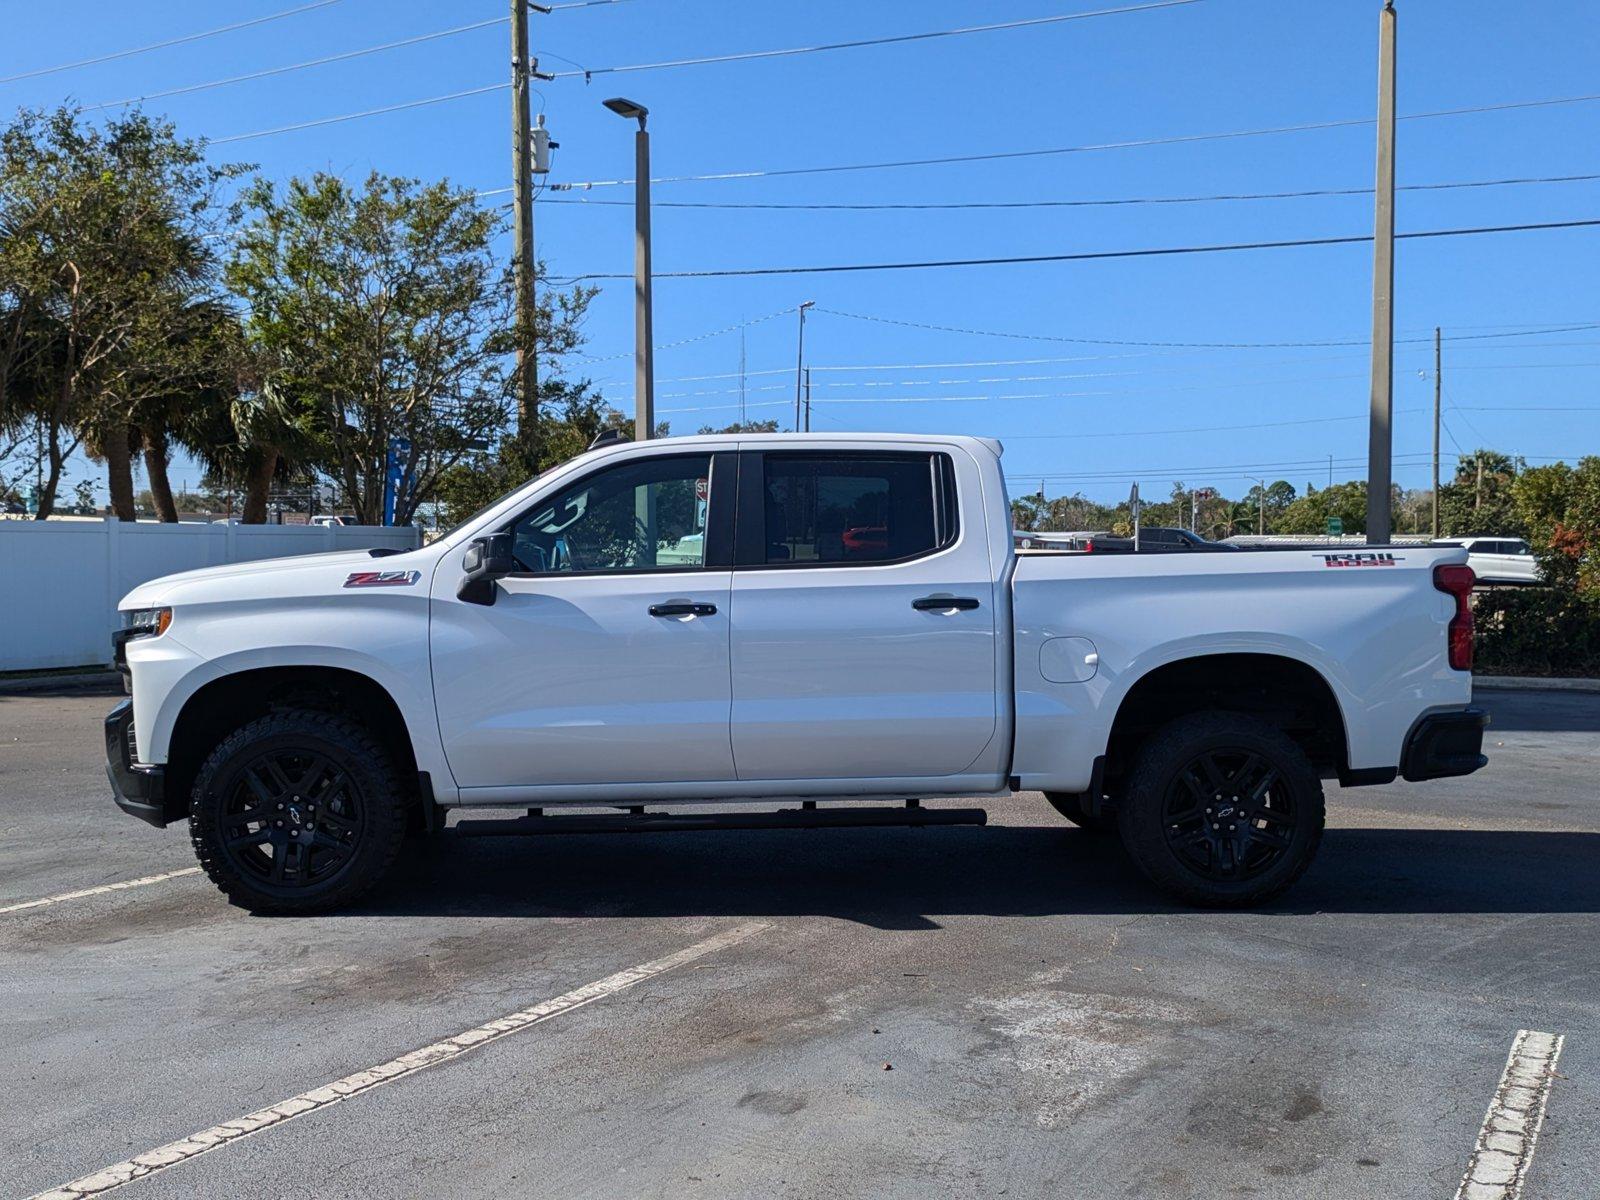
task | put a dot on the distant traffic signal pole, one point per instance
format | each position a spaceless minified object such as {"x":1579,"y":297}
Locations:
{"x":1380,"y":436}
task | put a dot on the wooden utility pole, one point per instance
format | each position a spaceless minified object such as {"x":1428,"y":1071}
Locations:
{"x":1380,"y":435}
{"x":1439,"y":388}
{"x":522,"y":209}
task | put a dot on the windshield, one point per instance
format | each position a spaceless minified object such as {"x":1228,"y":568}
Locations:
{"x":450,"y":529}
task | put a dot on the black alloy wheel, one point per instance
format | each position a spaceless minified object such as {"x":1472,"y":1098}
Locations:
{"x":299,"y":811}
{"x":1221,"y":809}
{"x":294,"y":818}
{"x":1228,"y":815}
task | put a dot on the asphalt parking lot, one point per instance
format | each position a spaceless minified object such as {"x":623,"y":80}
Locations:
{"x":961,"y":1011}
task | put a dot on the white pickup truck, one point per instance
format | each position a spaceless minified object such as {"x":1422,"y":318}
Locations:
{"x":836,"y":622}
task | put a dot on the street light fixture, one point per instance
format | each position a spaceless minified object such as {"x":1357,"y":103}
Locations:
{"x":627,"y":108}
{"x":644,"y":373}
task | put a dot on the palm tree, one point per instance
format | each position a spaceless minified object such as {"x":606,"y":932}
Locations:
{"x":259,"y":435}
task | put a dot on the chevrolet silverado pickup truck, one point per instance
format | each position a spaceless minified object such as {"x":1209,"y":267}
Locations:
{"x":837,"y":623}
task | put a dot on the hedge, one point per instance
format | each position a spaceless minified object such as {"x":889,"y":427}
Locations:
{"x":1536,"y":631}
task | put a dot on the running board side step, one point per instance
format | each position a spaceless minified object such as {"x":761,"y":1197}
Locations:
{"x":786,"y":818}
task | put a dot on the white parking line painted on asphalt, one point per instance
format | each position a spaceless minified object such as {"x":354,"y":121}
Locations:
{"x":196,"y":1144}
{"x":1504,"y":1152}
{"x":101,"y":890}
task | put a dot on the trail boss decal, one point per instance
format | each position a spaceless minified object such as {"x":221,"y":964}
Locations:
{"x":382,"y":578}
{"x":1363,"y":558}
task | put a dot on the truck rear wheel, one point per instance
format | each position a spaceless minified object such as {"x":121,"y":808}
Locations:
{"x":1222,"y":810}
{"x":297,"y":812}
{"x":1070,"y":806}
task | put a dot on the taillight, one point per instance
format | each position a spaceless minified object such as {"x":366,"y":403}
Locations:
{"x":1088,"y":546}
{"x":1456,"y":579}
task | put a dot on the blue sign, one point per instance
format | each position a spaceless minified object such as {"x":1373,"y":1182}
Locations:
{"x":396,"y":477}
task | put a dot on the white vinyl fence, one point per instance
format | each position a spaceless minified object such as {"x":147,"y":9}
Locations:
{"x":60,"y":580}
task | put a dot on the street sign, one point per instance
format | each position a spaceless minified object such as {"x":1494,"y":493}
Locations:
{"x":1335,"y":526}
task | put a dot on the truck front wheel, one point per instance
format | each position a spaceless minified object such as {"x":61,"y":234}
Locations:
{"x":1222,"y":810}
{"x":297,"y":812}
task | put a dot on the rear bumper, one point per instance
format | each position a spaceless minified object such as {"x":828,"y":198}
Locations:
{"x":138,"y":789}
{"x":1443,"y":744}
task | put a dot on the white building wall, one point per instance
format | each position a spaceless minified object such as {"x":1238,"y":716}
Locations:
{"x":60,"y":580}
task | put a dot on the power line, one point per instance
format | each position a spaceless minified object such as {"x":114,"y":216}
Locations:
{"x":1135,"y":143}
{"x":177,"y":41}
{"x":894,"y":39}
{"x":588,"y":73}
{"x":1098,"y":203}
{"x":1050,"y":337}
{"x":332,"y":58}
{"x":371,"y":112}
{"x":300,"y":66}
{"x":1085,"y":256}
{"x":821,"y":368}
{"x":699,"y":337}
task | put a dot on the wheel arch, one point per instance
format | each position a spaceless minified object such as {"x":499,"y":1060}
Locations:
{"x":1289,"y":693}
{"x":223,"y":704}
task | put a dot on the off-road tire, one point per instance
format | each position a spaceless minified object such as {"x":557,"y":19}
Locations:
{"x":1070,"y":806}
{"x":375,"y":795}
{"x":1157,"y":790}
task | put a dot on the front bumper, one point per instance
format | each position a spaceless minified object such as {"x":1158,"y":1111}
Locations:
{"x":137,"y":788}
{"x":1443,"y":744}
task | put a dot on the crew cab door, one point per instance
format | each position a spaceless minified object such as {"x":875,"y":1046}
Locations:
{"x":863,"y":616}
{"x":604,"y":658}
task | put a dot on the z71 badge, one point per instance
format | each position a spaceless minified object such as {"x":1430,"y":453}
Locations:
{"x":382,"y":578}
{"x":1362,"y":558}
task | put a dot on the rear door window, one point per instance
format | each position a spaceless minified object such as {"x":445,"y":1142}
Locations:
{"x":844,"y":509}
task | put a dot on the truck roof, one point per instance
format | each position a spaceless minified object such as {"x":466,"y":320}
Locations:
{"x":729,"y":440}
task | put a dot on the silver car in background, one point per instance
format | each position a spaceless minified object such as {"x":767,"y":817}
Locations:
{"x":1498,"y":559}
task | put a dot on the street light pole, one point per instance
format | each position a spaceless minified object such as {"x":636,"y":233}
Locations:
{"x":1380,"y":436}
{"x":1439,"y":388}
{"x":799,"y":362}
{"x":644,"y":369}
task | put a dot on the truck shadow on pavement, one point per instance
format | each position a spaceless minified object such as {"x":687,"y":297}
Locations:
{"x":1540,"y":712}
{"x":899,"y":879}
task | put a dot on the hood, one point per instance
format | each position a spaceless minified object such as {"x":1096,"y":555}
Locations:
{"x":262,"y":575}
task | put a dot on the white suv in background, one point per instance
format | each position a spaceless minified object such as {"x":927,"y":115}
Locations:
{"x":1498,"y":560}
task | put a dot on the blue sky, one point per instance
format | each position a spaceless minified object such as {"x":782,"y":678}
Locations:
{"x":1089,"y":414}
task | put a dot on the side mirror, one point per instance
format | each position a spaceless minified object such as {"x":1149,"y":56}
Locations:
{"x":487,"y":559}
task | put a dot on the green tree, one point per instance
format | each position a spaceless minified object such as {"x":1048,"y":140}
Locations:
{"x":744,"y":427}
{"x":1309,"y":514}
{"x":381,"y":312}
{"x":1480,"y":499}
{"x":104,"y":250}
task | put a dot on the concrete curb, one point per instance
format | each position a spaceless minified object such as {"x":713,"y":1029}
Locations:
{"x":74,"y":682}
{"x":1533,"y":683}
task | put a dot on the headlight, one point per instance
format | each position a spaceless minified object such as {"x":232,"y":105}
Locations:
{"x":146,"y":622}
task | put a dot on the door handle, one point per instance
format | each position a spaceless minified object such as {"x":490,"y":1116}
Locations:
{"x":944,"y":603}
{"x":683,"y":608}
